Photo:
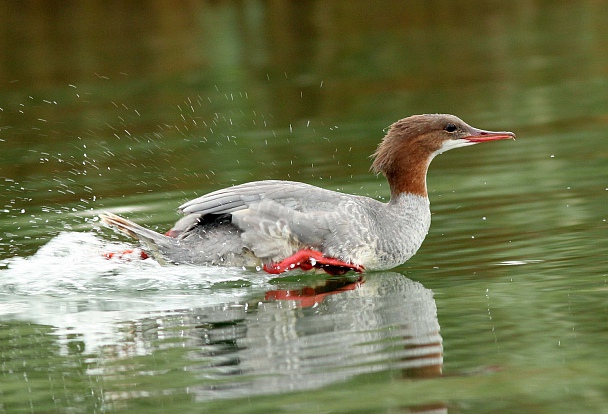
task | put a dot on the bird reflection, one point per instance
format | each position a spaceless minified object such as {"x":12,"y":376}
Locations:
{"x":313,"y":295}
{"x":306,"y":337}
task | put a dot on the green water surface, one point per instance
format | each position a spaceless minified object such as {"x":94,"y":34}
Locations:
{"x":135,"y":108}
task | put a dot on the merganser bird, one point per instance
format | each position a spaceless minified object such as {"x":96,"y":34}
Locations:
{"x":284,"y":225}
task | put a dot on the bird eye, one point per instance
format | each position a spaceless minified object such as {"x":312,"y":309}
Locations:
{"x":450,"y":127}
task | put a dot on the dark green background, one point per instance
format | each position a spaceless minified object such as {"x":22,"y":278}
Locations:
{"x":135,"y":107}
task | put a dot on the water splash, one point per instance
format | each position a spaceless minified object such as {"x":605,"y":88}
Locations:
{"x":69,"y":285}
{"x":73,"y":263}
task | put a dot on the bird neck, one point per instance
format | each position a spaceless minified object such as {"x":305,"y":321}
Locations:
{"x":408,"y":177}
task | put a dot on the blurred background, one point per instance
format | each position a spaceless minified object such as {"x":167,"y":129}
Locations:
{"x":135,"y":107}
{"x":111,"y":99}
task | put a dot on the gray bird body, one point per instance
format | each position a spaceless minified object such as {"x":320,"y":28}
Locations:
{"x":282,"y":223}
{"x":265,"y":221}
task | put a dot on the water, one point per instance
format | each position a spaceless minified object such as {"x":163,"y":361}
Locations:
{"x":135,"y":111}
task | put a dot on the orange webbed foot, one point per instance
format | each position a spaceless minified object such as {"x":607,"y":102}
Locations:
{"x":127,"y":255}
{"x":308,"y":259}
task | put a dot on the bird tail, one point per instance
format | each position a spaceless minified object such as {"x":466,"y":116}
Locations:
{"x":152,"y":242}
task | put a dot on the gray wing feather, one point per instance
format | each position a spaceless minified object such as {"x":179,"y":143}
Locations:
{"x":277,"y":217}
{"x":239,"y":197}
{"x":275,"y":231}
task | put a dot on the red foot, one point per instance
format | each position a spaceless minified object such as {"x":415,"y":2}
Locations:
{"x":126,"y":255}
{"x":172,"y":233}
{"x":308,"y":259}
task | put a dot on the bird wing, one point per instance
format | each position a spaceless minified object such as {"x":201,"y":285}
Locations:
{"x":278,"y":217}
{"x":292,"y":194}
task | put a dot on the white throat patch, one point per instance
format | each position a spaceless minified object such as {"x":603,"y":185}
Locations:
{"x":453,"y":143}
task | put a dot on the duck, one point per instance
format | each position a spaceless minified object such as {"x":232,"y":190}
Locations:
{"x":279,"y":226}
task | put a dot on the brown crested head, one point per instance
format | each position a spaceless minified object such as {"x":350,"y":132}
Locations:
{"x":406,"y":151}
